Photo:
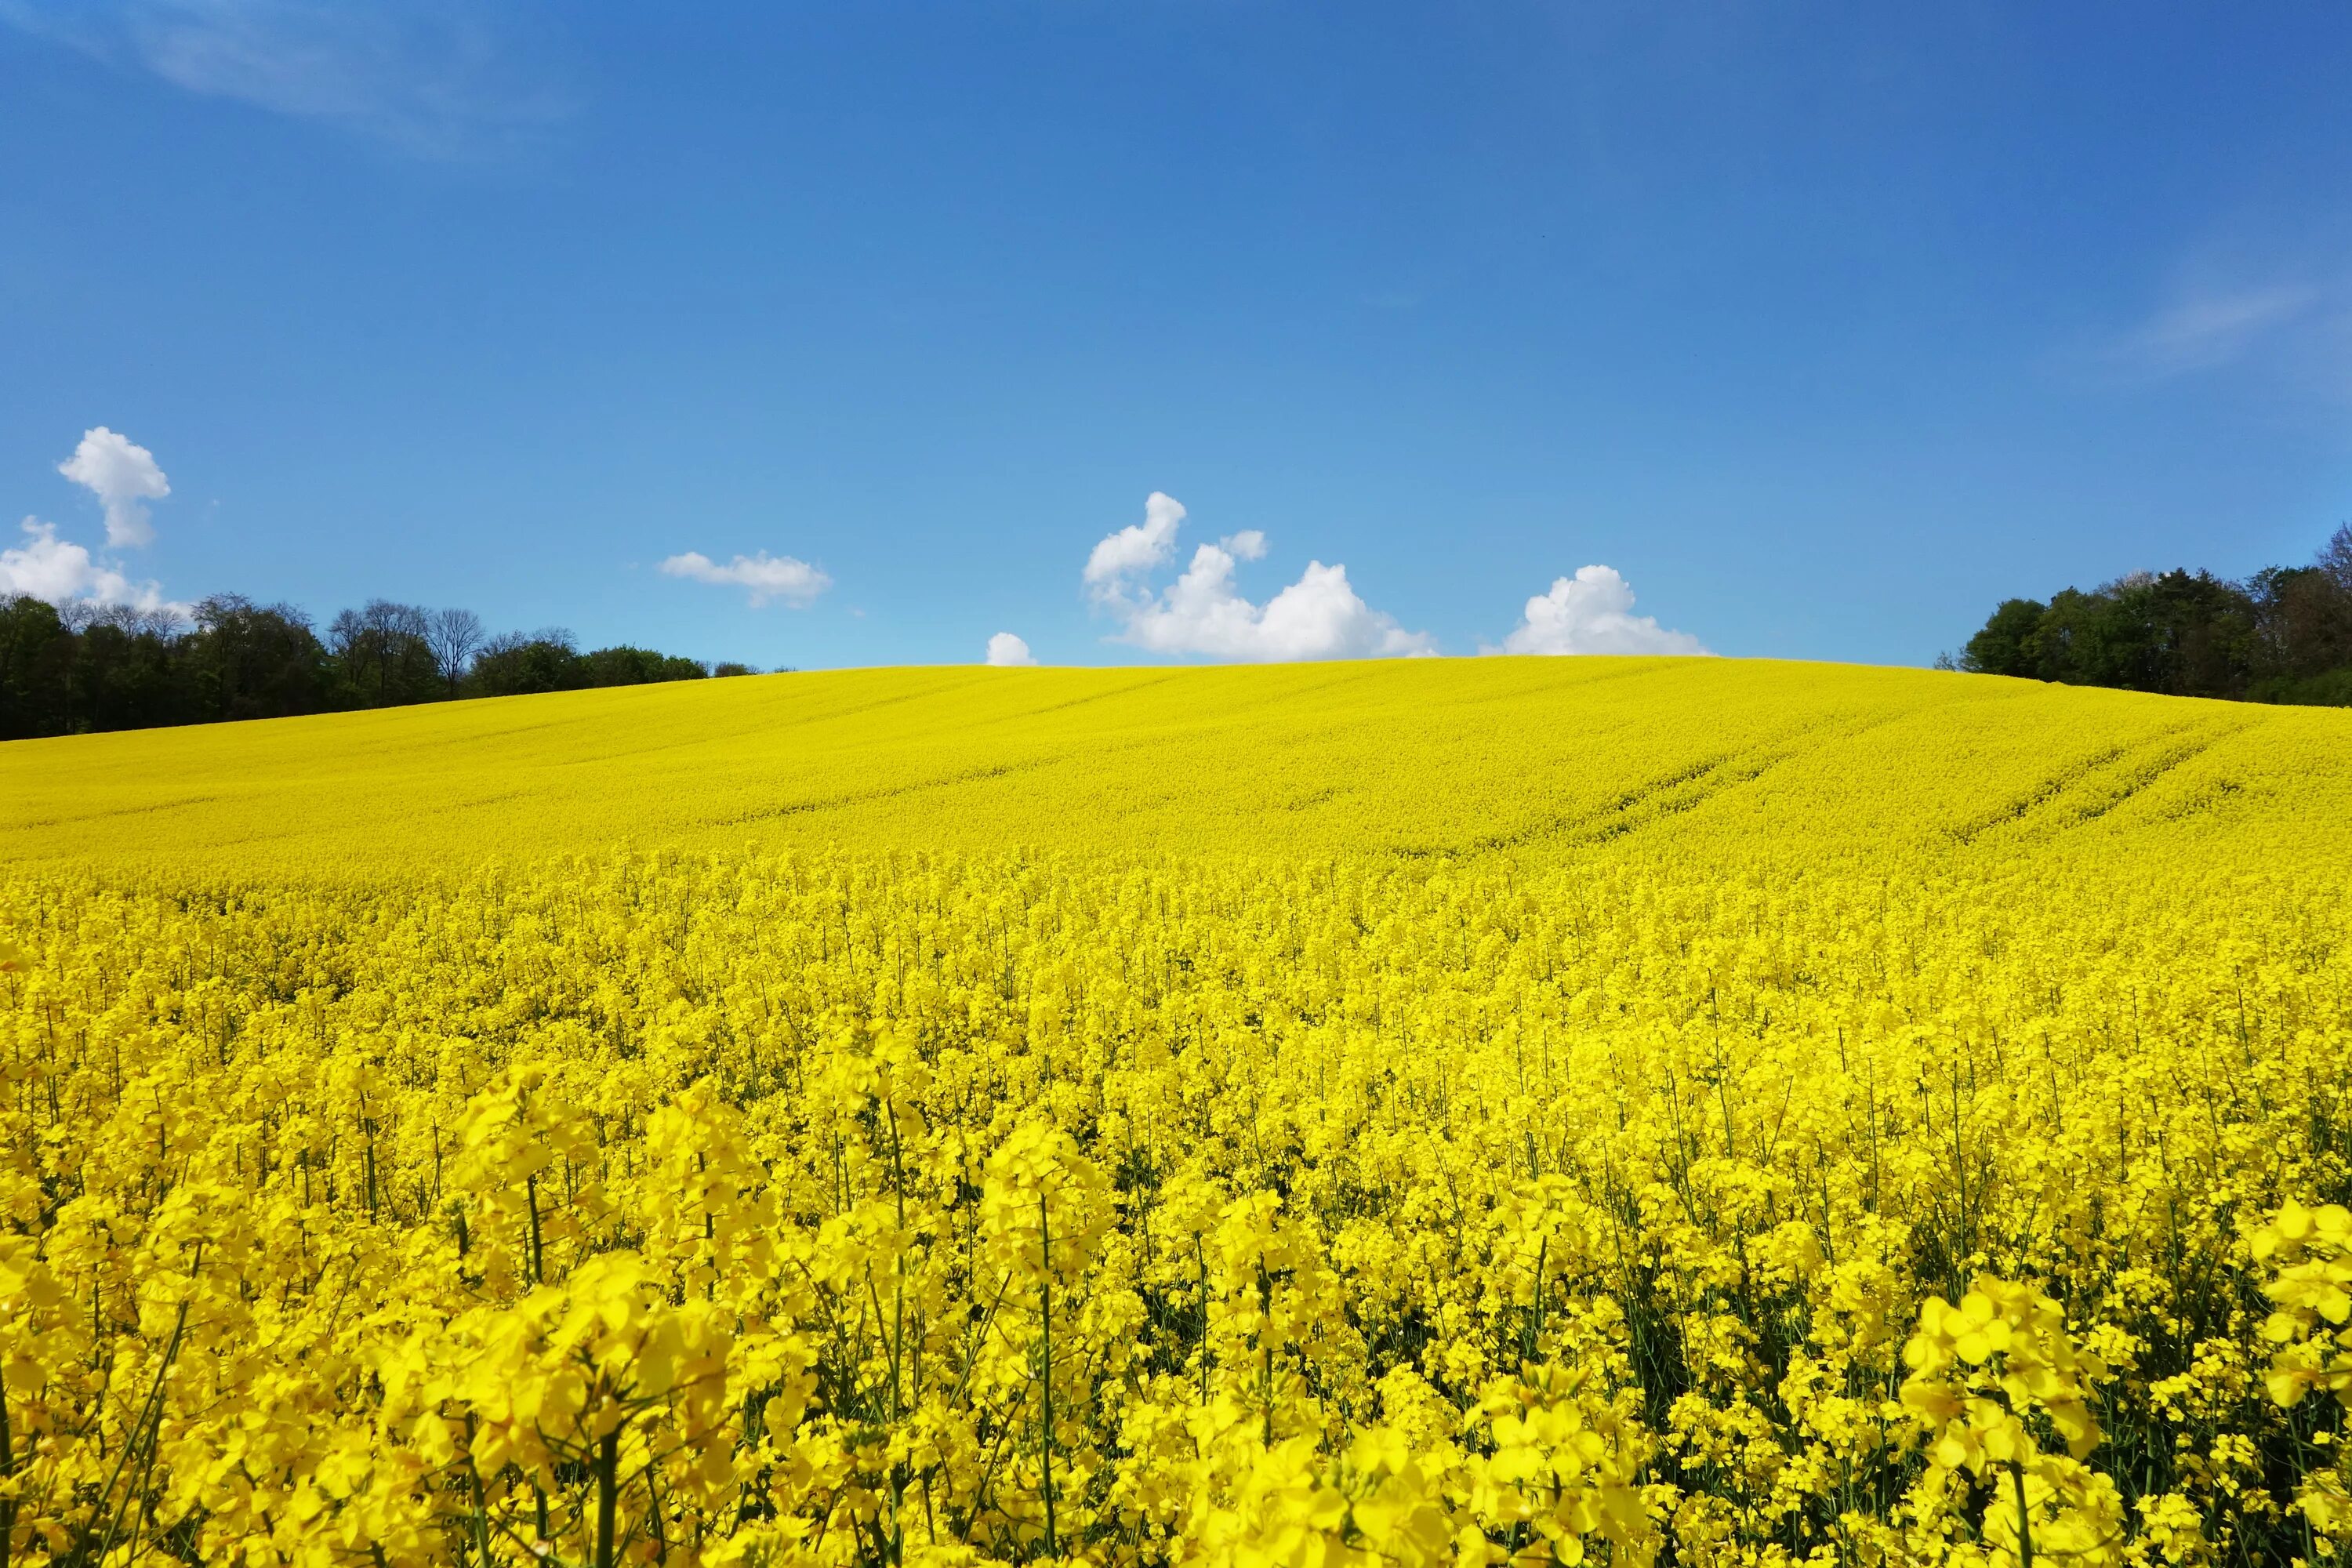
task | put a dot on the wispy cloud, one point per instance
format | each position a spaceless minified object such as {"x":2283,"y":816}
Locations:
{"x":780,"y":577}
{"x":2203,"y":328}
{"x":430,"y":77}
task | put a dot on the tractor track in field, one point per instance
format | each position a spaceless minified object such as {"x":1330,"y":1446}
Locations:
{"x":2135,"y":764}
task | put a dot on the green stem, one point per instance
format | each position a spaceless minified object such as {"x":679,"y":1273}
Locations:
{"x":537,"y":1258}
{"x":608,"y":1488}
{"x":2024,"y":1521}
{"x":1046,"y":1382}
{"x":481,"y":1510}
{"x":7,"y":1470}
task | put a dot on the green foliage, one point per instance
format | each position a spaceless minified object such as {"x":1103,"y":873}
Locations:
{"x":2284,"y":635}
{"x":626,"y":665}
{"x":547,"y":662}
{"x":2001,"y":648}
{"x":246,"y":662}
{"x":78,"y":670}
{"x":519,"y":665}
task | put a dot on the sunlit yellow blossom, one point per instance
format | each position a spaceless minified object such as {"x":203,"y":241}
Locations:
{"x":1525,"y":1112}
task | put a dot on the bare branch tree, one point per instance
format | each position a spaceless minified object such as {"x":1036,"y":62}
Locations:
{"x":392,"y":632}
{"x":391,"y":620}
{"x":347,"y":637}
{"x":2336,"y":559}
{"x":455,"y":636}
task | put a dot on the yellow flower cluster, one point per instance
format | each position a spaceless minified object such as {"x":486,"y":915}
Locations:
{"x":2309,"y":1254}
{"x":1708,"y":1176}
{"x":1980,"y":1373}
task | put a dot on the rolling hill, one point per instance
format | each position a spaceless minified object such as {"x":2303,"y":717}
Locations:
{"x":1533,"y":758}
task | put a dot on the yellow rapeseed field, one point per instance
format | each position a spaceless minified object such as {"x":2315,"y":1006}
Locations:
{"x":1438,"y":1112}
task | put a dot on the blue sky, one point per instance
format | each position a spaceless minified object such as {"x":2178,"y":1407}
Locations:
{"x":1823,"y":328}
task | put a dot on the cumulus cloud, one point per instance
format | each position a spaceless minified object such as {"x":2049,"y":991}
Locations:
{"x":66,"y":574}
{"x":794,"y":582}
{"x":1202,"y":612}
{"x":124,"y":477}
{"x":1007,"y":651}
{"x":1139,"y":547}
{"x":1593,"y":611}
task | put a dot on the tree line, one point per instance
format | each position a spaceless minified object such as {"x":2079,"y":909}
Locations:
{"x":86,"y":667}
{"x":2284,"y":635}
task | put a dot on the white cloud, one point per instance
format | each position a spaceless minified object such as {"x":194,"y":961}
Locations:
{"x":64,"y":573}
{"x":124,"y":476}
{"x":432,"y":77}
{"x":1318,"y":616}
{"x":2211,"y":327}
{"x":1007,"y":651}
{"x":1137,"y":548}
{"x":784,"y":577}
{"x":1593,"y":611}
